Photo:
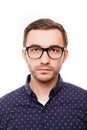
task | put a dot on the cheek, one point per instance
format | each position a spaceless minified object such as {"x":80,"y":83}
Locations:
{"x":57,"y":65}
{"x":31,"y":63}
{"x":58,"y":62}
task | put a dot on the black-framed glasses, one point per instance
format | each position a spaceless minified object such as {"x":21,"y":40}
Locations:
{"x":54,"y":52}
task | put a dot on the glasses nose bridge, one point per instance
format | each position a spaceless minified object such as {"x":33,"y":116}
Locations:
{"x":45,"y":49}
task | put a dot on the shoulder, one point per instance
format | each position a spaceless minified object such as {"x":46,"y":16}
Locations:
{"x":74,"y":87}
{"x":74,"y":91}
{"x":12,"y":98}
{"x":13,"y":94}
{"x":71,"y":88}
{"x":10,"y":103}
{"x":16,"y":94}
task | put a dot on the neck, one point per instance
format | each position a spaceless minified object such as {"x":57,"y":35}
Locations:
{"x":42,"y":89}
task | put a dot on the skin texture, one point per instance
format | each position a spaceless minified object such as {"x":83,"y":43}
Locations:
{"x":44,"y":71}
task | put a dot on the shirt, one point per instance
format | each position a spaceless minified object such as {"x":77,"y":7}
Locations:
{"x":65,"y":110}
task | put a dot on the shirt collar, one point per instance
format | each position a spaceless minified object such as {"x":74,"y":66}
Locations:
{"x":54,"y":91}
{"x":57,"y":88}
{"x":27,"y":87}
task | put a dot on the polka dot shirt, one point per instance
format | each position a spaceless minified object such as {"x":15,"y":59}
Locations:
{"x":65,"y":110}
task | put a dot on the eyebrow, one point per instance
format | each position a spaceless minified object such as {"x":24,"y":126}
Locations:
{"x":36,"y":45}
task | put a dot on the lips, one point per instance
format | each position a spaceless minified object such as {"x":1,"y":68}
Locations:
{"x":44,"y":70}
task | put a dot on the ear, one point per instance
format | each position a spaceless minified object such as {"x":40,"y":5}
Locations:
{"x":65,"y":55}
{"x":24,"y":54}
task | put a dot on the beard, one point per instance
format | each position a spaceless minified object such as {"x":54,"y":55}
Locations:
{"x":44,"y":76}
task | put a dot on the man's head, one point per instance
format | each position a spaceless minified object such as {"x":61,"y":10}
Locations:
{"x":45,"y":24}
{"x":45,"y":43}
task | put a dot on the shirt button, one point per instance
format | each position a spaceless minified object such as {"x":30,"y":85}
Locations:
{"x":44,"y":110}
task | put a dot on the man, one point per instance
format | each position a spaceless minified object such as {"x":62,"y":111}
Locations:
{"x":45,"y":102}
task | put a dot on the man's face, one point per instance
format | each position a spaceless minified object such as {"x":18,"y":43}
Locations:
{"x":44,"y":69}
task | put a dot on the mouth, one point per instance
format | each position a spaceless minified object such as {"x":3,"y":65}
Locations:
{"x":44,"y":70}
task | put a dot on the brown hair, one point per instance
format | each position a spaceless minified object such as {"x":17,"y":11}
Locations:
{"x":45,"y":24}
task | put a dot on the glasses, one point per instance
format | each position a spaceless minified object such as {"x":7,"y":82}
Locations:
{"x":54,"y":52}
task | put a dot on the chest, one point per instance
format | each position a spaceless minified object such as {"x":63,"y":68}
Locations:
{"x":56,"y":116}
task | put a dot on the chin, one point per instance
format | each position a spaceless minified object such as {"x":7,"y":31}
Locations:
{"x":44,"y":78}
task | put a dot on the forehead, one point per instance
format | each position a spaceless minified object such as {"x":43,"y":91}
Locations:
{"x":44,"y":38}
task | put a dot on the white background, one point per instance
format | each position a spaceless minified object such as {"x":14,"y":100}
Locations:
{"x":15,"y":15}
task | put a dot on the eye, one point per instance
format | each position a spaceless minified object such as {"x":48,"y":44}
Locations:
{"x":35,"y":49}
{"x":54,"y":50}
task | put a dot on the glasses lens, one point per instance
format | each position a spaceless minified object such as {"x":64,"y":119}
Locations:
{"x":55,"y":52}
{"x":34,"y":52}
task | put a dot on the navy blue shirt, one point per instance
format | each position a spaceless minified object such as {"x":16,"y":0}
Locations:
{"x":65,"y":110}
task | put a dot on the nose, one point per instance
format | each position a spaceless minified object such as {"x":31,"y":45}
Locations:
{"x":45,"y":59}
